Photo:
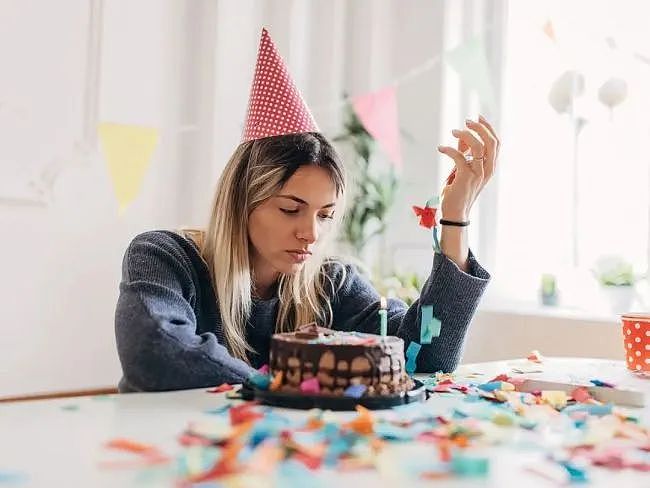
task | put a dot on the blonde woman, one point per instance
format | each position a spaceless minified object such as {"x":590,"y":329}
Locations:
{"x":199,"y":308}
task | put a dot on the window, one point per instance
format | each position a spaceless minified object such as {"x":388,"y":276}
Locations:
{"x":549,"y":221}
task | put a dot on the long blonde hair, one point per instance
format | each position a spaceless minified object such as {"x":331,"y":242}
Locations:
{"x":256,"y":171}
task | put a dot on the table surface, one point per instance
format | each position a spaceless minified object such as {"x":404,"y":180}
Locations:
{"x":61,"y":442}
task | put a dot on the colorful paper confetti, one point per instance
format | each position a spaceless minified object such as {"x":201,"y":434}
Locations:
{"x":429,"y":325}
{"x":411,"y":357}
{"x":221,"y":388}
{"x":244,"y":442}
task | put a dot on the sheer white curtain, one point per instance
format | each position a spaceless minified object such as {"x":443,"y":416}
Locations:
{"x":485,"y":22}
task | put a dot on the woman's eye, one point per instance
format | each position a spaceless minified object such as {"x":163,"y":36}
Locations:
{"x":327,"y":217}
{"x":289,"y":210}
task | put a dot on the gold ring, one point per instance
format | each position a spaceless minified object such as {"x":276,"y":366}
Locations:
{"x":470,"y":159}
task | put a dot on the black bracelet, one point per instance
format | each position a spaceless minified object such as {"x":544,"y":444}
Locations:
{"x":455,"y":224}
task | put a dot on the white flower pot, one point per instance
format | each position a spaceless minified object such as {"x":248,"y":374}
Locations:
{"x":620,"y":298}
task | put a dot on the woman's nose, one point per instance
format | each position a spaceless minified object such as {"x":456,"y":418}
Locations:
{"x":309,"y":231}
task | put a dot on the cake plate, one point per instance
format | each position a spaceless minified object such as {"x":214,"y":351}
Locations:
{"x":330,"y":402}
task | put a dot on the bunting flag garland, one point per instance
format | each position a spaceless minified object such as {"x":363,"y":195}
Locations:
{"x":128,"y":150}
{"x":377,"y":111}
{"x":469,"y":60}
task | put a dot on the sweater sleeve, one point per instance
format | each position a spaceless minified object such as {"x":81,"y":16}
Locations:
{"x":453,"y":294}
{"x":155,"y":323}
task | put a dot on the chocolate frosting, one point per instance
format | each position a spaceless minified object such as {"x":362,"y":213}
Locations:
{"x":311,"y":331}
{"x":338,"y":359}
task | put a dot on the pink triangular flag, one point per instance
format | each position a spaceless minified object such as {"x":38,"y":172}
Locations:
{"x":377,"y":111}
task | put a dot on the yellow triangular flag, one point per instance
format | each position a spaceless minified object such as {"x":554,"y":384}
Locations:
{"x":128,"y":150}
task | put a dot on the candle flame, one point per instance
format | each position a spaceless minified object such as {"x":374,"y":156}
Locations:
{"x":382,"y":303}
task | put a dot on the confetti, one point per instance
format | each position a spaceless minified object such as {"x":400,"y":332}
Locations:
{"x":130,"y":446}
{"x":411,"y":356}
{"x":581,"y":395}
{"x":244,"y":441}
{"x":261,"y":381}
{"x":12,"y":477}
{"x":535,"y":356}
{"x":576,"y":474}
{"x":148,"y":454}
{"x":556,"y":399}
{"x":243,"y":413}
{"x":363,"y":424}
{"x":497,"y":385}
{"x":597,"y":410}
{"x":276,"y":382}
{"x":427,"y":216}
{"x":470,"y":465}
{"x":221,"y":388}
{"x":429,"y":325}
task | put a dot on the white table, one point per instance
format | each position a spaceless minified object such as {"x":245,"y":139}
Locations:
{"x":61,"y":442}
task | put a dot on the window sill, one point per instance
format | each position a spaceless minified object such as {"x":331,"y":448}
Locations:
{"x":531,"y":309}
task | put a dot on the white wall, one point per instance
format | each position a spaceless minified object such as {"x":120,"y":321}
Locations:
{"x":61,"y":263}
{"x":498,"y":334}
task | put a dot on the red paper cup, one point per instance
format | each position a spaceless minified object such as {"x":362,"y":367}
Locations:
{"x":636,"y":337}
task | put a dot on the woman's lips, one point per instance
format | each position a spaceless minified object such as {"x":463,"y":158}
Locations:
{"x":298,"y":256}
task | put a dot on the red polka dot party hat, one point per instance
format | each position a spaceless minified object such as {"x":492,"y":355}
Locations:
{"x":275,"y":106}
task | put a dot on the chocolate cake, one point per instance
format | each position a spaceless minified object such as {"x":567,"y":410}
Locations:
{"x":317,"y":360}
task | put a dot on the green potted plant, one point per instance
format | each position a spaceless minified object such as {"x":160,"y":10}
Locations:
{"x":616,"y":278}
{"x":372,"y":191}
{"x":548,"y":290}
{"x":373,"y":188}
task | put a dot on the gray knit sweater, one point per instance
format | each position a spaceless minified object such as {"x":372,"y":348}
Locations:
{"x":169,"y":332}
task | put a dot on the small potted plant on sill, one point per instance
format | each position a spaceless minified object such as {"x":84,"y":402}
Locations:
{"x":548,"y":290}
{"x":616,"y":278}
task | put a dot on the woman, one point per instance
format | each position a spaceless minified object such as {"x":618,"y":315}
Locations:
{"x":199,"y":309}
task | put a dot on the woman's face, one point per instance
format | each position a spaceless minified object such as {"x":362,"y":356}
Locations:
{"x":286,"y":228}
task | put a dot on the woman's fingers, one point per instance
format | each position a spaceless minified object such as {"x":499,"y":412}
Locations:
{"x":468,"y":177}
{"x":475,"y":167}
{"x":490,"y":145}
{"x":486,"y":136}
{"x":483,"y":121}
{"x":475,"y":145}
{"x":450,"y":178}
{"x":455,"y":155}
